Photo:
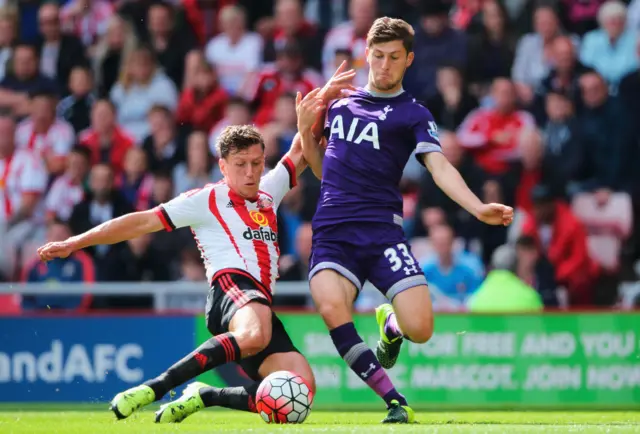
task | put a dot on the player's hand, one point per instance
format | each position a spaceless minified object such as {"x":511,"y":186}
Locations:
{"x":308,"y":109}
{"x":58,"y":249}
{"x":495,"y":214}
{"x":339,"y":84}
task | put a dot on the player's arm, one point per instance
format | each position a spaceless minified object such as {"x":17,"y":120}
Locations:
{"x":337,"y":86}
{"x":447,"y":177}
{"x":308,"y":110}
{"x":184,"y":210}
{"x":114,"y":231}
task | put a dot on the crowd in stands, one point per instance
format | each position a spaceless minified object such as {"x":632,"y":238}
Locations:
{"x":108,"y":107}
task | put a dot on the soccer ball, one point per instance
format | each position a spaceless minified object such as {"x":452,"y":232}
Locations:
{"x":284,"y":397}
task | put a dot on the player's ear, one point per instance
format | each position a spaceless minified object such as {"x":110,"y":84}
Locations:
{"x":223,"y":166}
{"x":410,"y":58}
{"x":366,"y":53}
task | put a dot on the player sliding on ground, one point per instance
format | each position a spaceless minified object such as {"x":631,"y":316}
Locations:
{"x":242,"y":270}
{"x":357,"y":228}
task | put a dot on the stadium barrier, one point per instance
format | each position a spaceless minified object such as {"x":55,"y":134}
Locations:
{"x":473,"y":361}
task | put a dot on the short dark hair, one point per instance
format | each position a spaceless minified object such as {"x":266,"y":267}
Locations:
{"x":43,"y":93}
{"x":83,"y":151}
{"x":387,"y":29}
{"x":237,"y":138}
{"x":526,"y":242}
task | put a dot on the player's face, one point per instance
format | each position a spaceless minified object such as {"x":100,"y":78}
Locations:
{"x":388,"y":62}
{"x":242,"y":170}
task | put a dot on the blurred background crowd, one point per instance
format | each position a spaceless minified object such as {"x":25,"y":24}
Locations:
{"x":108,"y":107}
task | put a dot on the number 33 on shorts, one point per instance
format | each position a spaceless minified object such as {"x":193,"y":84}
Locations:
{"x":400,"y":257}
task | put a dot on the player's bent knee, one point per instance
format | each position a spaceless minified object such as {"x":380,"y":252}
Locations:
{"x":420,"y":331}
{"x":252,"y":341}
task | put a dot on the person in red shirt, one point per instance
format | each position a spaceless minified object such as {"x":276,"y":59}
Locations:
{"x":288,"y":76}
{"x":492,"y":135}
{"x":563,"y":239}
{"x":202,"y":105}
{"x":107,"y":142}
{"x":291,"y":26}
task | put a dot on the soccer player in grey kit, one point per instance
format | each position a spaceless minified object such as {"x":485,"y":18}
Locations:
{"x":358,"y":235}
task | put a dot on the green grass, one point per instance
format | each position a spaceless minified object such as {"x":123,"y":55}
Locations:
{"x":14,"y":420}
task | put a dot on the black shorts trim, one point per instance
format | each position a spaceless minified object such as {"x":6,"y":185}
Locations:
{"x":232,"y":271}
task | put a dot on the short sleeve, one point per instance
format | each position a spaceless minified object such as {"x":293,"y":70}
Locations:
{"x":188,"y":209}
{"x":34,"y":177}
{"x":425,"y":133}
{"x":280,"y":180}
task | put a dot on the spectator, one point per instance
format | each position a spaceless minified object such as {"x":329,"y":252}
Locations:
{"x":607,"y":136}
{"x":453,"y":276}
{"x":141,"y":87}
{"x":237,"y":113}
{"x":23,"y":79}
{"x":199,"y":169}
{"x":289,"y":75}
{"x":101,"y":203}
{"x":114,"y":46}
{"x":135,"y":183}
{"x":633,"y":16}
{"x":563,"y":240}
{"x":162,"y":191}
{"x":351,"y":35}
{"x":59,"y":53}
{"x":534,"y":59}
{"x":435,"y":43}
{"x":46,"y":135}
{"x":291,"y":26}
{"x":610,"y":50}
{"x":563,"y":77}
{"x":564,"y":153}
{"x":76,"y":108}
{"x":491,"y":51}
{"x":165,"y":146}
{"x":580,"y":15}
{"x":535,"y":270}
{"x":492,"y":134}
{"x":170,"y":47}
{"x":77,"y":267}
{"x":68,"y":189}
{"x":22,"y":183}
{"x":235,"y":53}
{"x":630,"y":87}
{"x":203,"y":105}
{"x":106,"y":141}
{"x":295,"y":267}
{"x":86,"y":19}
{"x":279,"y":134}
{"x":8,"y":34}
{"x":453,"y":102}
{"x":191,"y":269}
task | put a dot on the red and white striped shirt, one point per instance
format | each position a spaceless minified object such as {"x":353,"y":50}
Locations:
{"x":21,"y":173}
{"x":343,"y":37}
{"x":232,"y":233}
{"x":91,"y":24}
{"x":59,"y":138}
{"x":62,"y":197}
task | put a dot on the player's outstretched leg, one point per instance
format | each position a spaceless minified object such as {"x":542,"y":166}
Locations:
{"x":214,"y":352}
{"x":197,"y":396}
{"x":333,"y":295}
{"x":250,"y":333}
{"x":390,"y":341}
{"x":279,"y":355}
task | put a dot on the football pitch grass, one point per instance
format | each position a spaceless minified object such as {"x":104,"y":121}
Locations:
{"x":27,"y":419}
